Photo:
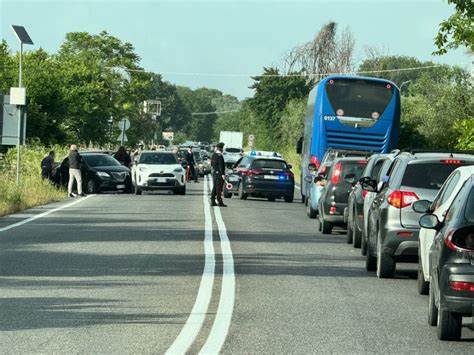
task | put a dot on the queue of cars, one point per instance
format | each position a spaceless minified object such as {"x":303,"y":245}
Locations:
{"x":412,"y":206}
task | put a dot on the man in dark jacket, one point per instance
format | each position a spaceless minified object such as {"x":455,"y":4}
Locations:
{"x":189,"y":157}
{"x":47,"y":166}
{"x":218,"y":175}
{"x":75,"y":161}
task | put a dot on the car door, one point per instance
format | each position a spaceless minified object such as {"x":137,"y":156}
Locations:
{"x":235,"y":175}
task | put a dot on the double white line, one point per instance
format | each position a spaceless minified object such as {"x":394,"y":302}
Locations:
{"x":222,"y":320}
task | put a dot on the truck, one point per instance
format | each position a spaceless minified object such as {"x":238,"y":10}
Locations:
{"x":233,"y":146}
{"x":232,"y":139}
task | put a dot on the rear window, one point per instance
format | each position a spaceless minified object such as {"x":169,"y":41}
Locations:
{"x":232,"y":150}
{"x":428,"y":175}
{"x":469,"y":214}
{"x":355,"y":168}
{"x":269,"y":164}
{"x":359,"y":98}
{"x":100,"y":160}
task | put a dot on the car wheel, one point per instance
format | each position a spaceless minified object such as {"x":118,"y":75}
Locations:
{"x":289,"y":199}
{"x":310,"y":211}
{"x":242,"y":195}
{"x":363,"y":244}
{"x":91,"y":186}
{"x":350,"y":232}
{"x":271,"y":199}
{"x":432,"y":310}
{"x":182,"y":190}
{"x":449,"y":325}
{"x":371,"y":259}
{"x":138,"y":190}
{"x":423,"y":286}
{"x":385,"y":263}
{"x":356,"y":234}
{"x":326,"y":227}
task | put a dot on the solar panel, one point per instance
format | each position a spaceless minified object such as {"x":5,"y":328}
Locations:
{"x":22,"y":35}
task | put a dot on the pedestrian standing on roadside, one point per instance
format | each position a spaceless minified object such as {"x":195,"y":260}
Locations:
{"x":75,"y":161}
{"x":218,"y":175}
{"x":123,"y":157}
{"x":189,"y":157}
{"x":47,"y":167}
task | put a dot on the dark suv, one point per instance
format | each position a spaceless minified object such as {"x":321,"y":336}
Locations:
{"x":333,"y":201}
{"x":392,"y":226}
{"x":259,"y":176}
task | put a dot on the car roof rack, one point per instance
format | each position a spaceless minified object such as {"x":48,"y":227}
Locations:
{"x":425,"y":150}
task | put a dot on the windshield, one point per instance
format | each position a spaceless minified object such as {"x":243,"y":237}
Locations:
{"x":269,"y":164}
{"x":361,"y":101}
{"x":158,"y":158}
{"x":94,"y":160}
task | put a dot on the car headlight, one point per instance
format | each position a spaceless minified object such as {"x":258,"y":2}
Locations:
{"x":178,"y":170}
{"x":143,"y":168}
{"x":103,"y":174}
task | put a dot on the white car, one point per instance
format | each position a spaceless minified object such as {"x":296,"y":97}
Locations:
{"x":158,"y":170}
{"x":438,"y":207}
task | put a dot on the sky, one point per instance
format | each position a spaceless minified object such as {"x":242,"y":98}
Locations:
{"x":221,"y":43}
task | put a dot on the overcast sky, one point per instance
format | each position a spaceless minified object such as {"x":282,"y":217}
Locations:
{"x":219,"y":44}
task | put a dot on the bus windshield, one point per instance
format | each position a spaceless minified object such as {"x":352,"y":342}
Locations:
{"x":362,"y":101}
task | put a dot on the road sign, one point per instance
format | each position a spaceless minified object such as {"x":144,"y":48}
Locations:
{"x":122,"y":137}
{"x":169,"y":136}
{"x":124,"y":124}
{"x":251,"y":140}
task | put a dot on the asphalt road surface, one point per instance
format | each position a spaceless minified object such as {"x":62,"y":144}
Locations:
{"x":162,"y":273}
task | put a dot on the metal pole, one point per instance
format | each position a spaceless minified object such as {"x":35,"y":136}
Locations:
{"x":122,"y":139}
{"x":19,"y":122}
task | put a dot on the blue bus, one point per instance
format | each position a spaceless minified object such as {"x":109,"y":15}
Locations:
{"x":349,"y":113}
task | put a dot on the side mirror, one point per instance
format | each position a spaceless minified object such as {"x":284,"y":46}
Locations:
{"x":290,"y":166}
{"x":350,"y":179}
{"x":429,"y":221}
{"x":369,"y":185}
{"x":299,"y":146}
{"x":312,"y":167}
{"x":308,"y":178}
{"x":421,"y":206}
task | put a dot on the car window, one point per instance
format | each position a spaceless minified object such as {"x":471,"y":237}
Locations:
{"x":376,"y":169}
{"x":232,"y":150}
{"x":269,"y":164}
{"x":387,"y":163}
{"x":446,"y":190}
{"x":242,"y":162}
{"x":469,"y":213}
{"x":157,"y":158}
{"x":353,"y":167}
{"x":100,"y":160}
{"x":427,"y":175}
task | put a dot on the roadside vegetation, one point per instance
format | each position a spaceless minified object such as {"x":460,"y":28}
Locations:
{"x":33,"y":191}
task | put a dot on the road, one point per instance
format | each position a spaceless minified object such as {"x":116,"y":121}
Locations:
{"x":155,"y":273}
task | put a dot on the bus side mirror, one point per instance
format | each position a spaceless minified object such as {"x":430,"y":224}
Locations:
{"x":299,"y":146}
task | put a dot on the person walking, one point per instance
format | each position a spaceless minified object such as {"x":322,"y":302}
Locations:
{"x":123,"y":157}
{"x":75,"y":161}
{"x":189,"y":157}
{"x":218,"y":175}
{"x":47,"y":166}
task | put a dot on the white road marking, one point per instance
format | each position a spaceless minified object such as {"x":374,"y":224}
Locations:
{"x":297,"y":187}
{"x":223,"y":318}
{"x":198,"y":314}
{"x":28,"y":220}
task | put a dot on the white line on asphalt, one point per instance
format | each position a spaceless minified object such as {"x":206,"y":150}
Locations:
{"x":297,"y":187}
{"x":198,"y":314}
{"x":28,"y":220}
{"x":223,"y":318}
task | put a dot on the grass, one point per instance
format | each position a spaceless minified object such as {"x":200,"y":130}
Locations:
{"x":32,"y":190}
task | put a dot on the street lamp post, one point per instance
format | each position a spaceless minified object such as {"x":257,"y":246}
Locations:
{"x":18,"y":95}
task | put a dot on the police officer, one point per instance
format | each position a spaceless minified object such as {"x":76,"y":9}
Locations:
{"x":218,"y":175}
{"x":189,"y":157}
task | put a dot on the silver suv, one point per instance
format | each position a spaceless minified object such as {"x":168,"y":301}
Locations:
{"x":392,"y":227}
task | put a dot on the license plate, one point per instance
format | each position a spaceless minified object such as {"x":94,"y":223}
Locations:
{"x":120,"y":186}
{"x":270,"y":177}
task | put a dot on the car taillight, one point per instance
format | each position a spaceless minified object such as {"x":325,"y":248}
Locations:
{"x":452,"y":161}
{"x":332,"y":210}
{"x":364,"y":193}
{"x":462,"y":286}
{"x":336,"y":173}
{"x":253,"y":172}
{"x":314,"y":160}
{"x":450,"y":244}
{"x":401,"y":199}
{"x":289,"y":173}
{"x":362,"y":162}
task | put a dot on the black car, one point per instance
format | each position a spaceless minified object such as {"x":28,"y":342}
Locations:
{"x":100,"y":172}
{"x":259,"y":176}
{"x":354,"y":214}
{"x":333,"y":201}
{"x":452,"y":264}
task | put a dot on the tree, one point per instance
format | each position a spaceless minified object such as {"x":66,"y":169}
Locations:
{"x":326,"y":53}
{"x":458,"y":29}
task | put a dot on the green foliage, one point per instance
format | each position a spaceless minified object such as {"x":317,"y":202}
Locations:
{"x":466,"y":137}
{"x":458,"y":29}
